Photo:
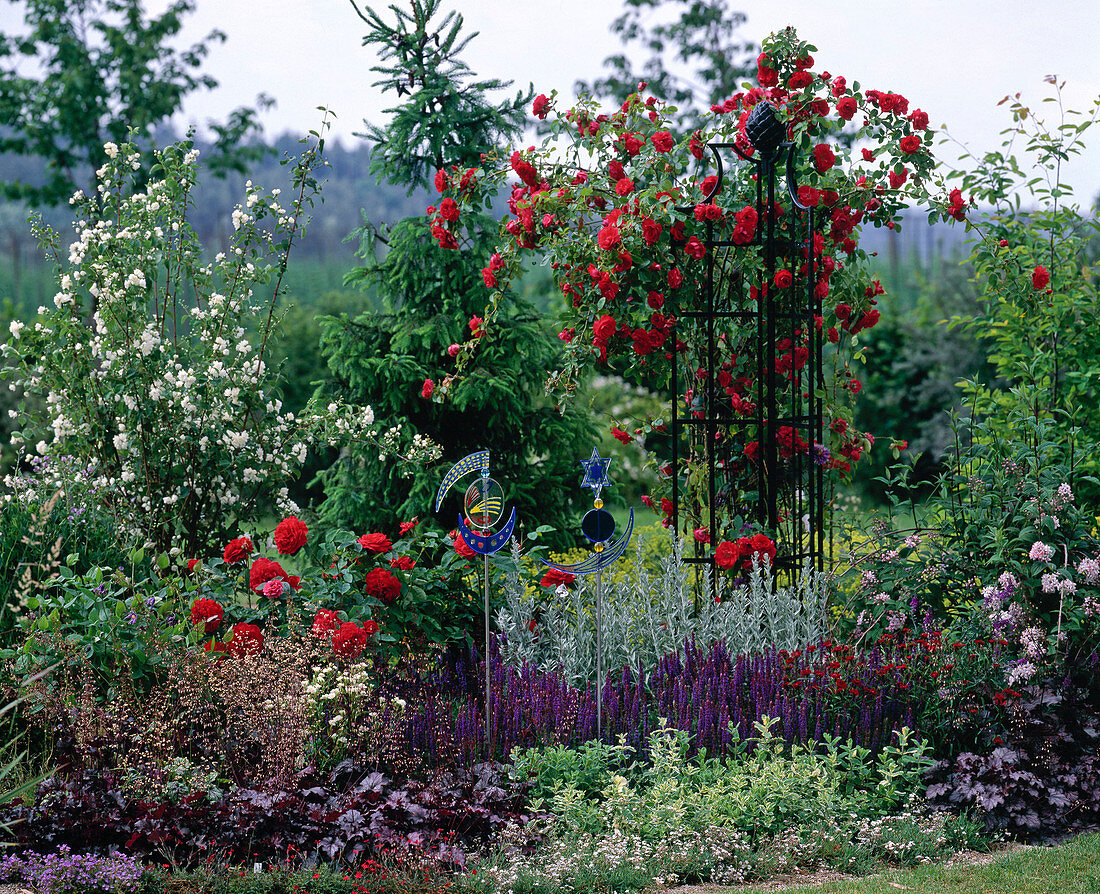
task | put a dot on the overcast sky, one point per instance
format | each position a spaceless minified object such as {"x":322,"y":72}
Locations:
{"x":953,"y":58}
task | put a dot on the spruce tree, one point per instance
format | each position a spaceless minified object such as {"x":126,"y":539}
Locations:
{"x":446,"y":122}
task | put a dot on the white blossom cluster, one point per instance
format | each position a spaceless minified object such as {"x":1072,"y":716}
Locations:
{"x":339,"y":699}
{"x":150,"y":362}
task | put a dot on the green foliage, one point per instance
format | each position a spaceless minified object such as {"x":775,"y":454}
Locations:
{"x":92,"y":71}
{"x":761,"y":810}
{"x":652,"y":602}
{"x":1041,"y":337}
{"x":703,"y":39}
{"x":430,"y":297}
{"x":1012,"y":523}
{"x":447,"y":119}
{"x":914,"y":363}
{"x":122,"y":626}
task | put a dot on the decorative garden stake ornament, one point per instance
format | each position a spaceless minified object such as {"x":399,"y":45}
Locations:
{"x":483,"y":506}
{"x":599,"y":527}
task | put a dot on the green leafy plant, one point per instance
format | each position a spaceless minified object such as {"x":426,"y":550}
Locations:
{"x":394,"y":359}
{"x":649,"y":612}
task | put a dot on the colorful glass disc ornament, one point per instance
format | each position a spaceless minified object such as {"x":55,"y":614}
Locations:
{"x":483,"y":503}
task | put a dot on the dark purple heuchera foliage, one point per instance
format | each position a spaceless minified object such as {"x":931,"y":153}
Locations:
{"x":700,"y":690}
{"x":1039,"y":775}
{"x":345,"y":815}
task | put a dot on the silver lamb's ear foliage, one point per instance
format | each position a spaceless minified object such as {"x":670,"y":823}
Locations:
{"x":647,"y":616}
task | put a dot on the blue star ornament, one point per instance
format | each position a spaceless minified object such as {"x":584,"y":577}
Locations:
{"x":595,"y":471}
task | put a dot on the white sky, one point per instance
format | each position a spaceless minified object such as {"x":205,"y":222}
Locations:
{"x":953,"y":58}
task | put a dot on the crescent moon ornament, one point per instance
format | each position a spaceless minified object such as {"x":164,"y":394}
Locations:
{"x":473,"y":463}
{"x":482,"y":506}
{"x":599,"y":560}
{"x":487,"y":545}
{"x":599,"y":527}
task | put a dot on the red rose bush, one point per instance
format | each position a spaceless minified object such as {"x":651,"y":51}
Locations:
{"x":623,"y":213}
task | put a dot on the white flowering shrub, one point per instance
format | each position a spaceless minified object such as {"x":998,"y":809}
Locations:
{"x":150,"y":361}
{"x":647,"y":615}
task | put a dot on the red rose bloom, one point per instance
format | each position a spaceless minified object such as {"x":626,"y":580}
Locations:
{"x":824,"y":157}
{"x":349,"y":641}
{"x":462,"y":547}
{"x":375,"y":543}
{"x":957,"y":206}
{"x":695,"y":248}
{"x":726,"y":555}
{"x":208,"y":613}
{"x":651,"y":230}
{"x":290,"y":535}
{"x":403,"y":563}
{"x":441,"y":180}
{"x":758,"y":543}
{"x":662,"y":141}
{"x":846,"y":108}
{"x":675,"y":278}
{"x":620,"y":435}
{"x":370,"y":627}
{"x":382,"y":585}
{"x":214,"y":647}
{"x":192,"y":564}
{"x":655,"y":300}
{"x":324,"y":622}
{"x":448,"y":210}
{"x":427,"y":388}
{"x":489,"y":278}
{"x":919,"y":119}
{"x":1040,"y":277}
{"x":237,"y":551}
{"x":783,"y":279}
{"x":604,"y":327}
{"x":263,"y":570}
{"x":632,"y":144}
{"x":540,"y":106}
{"x":624,"y":186}
{"x":554,"y":578}
{"x":897,"y":178}
{"x":608,"y":237}
{"x":766,"y":76}
{"x":910,"y":144}
{"x":407,"y":526}
{"x":247,"y":640}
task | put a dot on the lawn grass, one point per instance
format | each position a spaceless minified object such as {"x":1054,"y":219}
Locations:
{"x":1071,"y":868}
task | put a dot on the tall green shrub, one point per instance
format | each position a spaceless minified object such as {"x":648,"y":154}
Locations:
{"x":432,"y":296}
{"x":1035,"y":259}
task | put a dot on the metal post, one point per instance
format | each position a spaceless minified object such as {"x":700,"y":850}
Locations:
{"x":488,"y":721}
{"x":599,"y":654}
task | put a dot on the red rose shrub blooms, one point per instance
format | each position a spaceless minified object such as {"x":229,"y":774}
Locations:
{"x":324,"y":622}
{"x":461,"y":546}
{"x":375,"y":543}
{"x":237,"y":551}
{"x":350,"y":640}
{"x":728,"y":555}
{"x":264,"y":570}
{"x":382,"y":585}
{"x":208,"y":613}
{"x":247,"y":640}
{"x":290,"y":535}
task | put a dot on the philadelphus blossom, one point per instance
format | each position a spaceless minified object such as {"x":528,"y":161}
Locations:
{"x":168,"y":413}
